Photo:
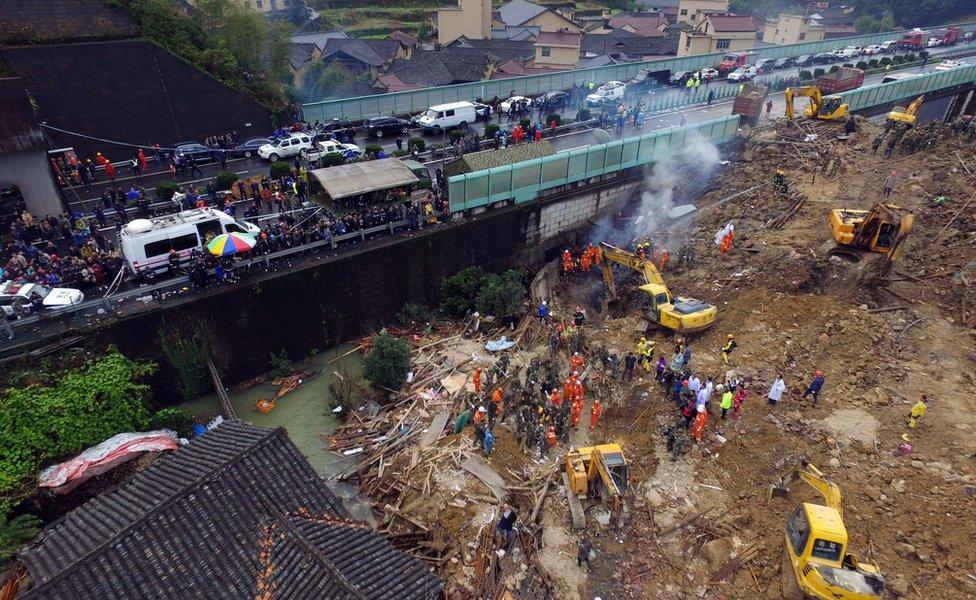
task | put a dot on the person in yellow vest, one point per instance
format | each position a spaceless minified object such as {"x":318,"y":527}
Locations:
{"x":648,"y":357}
{"x":918,"y":411}
{"x":641,"y":348}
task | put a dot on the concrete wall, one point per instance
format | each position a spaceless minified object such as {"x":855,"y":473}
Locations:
{"x":30,"y":172}
{"x":470,"y":18}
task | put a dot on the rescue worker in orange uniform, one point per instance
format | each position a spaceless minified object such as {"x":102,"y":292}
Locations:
{"x":555,"y":398}
{"x":665,"y":257}
{"x":574,"y":414}
{"x":585,"y":263}
{"x":726,"y":243}
{"x":595,"y":411}
{"x":551,"y":436}
{"x":476,"y":379}
{"x":597,"y":256}
{"x":567,"y":261}
{"x":575,"y":362}
{"x":698,"y":429}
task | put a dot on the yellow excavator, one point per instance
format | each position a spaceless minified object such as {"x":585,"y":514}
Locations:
{"x":683,"y":315}
{"x":595,"y":472}
{"x":901,"y":116}
{"x":881,"y":230}
{"x":816,"y":562}
{"x":831,"y":108}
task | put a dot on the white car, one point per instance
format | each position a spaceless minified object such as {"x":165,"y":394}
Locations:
{"x":707,"y":73}
{"x":291,"y":145}
{"x":948,"y":65}
{"x":330,"y":147}
{"x":743,"y":74}
{"x":19,"y":298}
{"x":850,"y":52}
{"x":888,"y":46}
{"x":506,"y":104}
{"x":874,"y":49}
{"x":933,"y":42}
{"x":608,"y":92}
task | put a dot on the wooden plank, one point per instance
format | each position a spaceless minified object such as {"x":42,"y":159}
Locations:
{"x":478,"y":467}
{"x":435,"y":430}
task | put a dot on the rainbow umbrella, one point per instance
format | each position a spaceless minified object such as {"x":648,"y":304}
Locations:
{"x":231,"y":243}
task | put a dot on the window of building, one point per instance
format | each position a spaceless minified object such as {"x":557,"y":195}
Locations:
{"x":684,"y":12}
{"x":687,"y":42}
{"x":723,"y":44}
{"x":546,"y":51}
{"x":803,"y":36}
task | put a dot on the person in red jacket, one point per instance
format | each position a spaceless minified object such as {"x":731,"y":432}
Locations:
{"x":595,"y":411}
{"x":143,"y":163}
{"x":538,"y":135}
{"x":110,"y":171}
{"x":517,"y":134}
{"x":575,"y":413}
{"x":555,"y":398}
{"x":476,"y":379}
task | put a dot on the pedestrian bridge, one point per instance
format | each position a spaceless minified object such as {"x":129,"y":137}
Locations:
{"x":523,"y":182}
{"x":416,"y":100}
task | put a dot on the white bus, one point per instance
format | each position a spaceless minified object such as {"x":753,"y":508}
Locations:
{"x":146,"y":243}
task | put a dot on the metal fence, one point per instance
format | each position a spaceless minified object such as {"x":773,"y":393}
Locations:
{"x":523,"y":181}
{"x":416,"y":100}
{"x":883,"y":93}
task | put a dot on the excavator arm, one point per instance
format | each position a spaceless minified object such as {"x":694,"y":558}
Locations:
{"x":599,"y":468}
{"x":916,"y":104}
{"x":808,"y":91}
{"x":817,"y":480}
{"x":612,"y":254}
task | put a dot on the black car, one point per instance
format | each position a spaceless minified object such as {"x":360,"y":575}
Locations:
{"x":335,"y":125}
{"x":555,"y":99}
{"x":380,"y":126}
{"x":248,"y":148}
{"x":825,"y":58}
{"x":803,"y":60}
{"x":782,"y":63}
{"x":199,"y":152}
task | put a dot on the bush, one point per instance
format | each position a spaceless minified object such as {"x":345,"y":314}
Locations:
{"x":414,"y":312}
{"x":456,"y":134}
{"x":280,"y":169}
{"x":187,"y":349}
{"x":165,"y":190}
{"x":490,"y":130}
{"x":225,"y":180}
{"x":873,"y":63}
{"x":885,"y":61}
{"x":861,"y":65}
{"x":848,"y":66}
{"x":834,"y":69}
{"x":525,"y":124}
{"x":459,"y":291}
{"x":175,"y":418}
{"x":332,"y":159}
{"x":501,"y":295}
{"x":910,"y":57}
{"x":805,"y":75}
{"x":387,"y":364}
{"x":897,"y":59}
{"x":924,"y":54}
{"x":418,"y":143}
{"x":399,"y":153}
{"x":584,"y":114}
{"x":554,"y":117}
{"x":344,"y":390}
{"x":279,"y":365}
{"x":373,"y":149}
{"x":16,"y":532}
{"x":818,"y":72}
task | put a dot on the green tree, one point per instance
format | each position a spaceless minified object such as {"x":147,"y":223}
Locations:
{"x":387,"y":364}
{"x":459,"y":291}
{"x":15,"y":532}
{"x":501,"y":295}
{"x":178,"y":419}
{"x":187,"y":353}
{"x":245,"y":34}
{"x":324,"y":80}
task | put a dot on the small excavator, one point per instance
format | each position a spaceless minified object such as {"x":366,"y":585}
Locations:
{"x":595,"y":472}
{"x":682,"y":315}
{"x":901,"y":116}
{"x":881,"y":230}
{"x":831,"y":108}
{"x":816,"y":563}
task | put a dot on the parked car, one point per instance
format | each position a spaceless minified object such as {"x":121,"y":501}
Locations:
{"x":873,"y":49}
{"x":510,"y":101}
{"x":888,"y":46}
{"x":198,"y":151}
{"x":824,"y":58}
{"x":743,"y":74}
{"x":482,"y":111}
{"x":803,"y":60}
{"x":933,"y":42}
{"x":765,"y":65}
{"x":642,"y":80}
{"x":679,"y":77}
{"x":380,"y":126}
{"x":248,"y":148}
{"x":335,"y":125}
{"x":320,"y":149}
{"x":442,"y":117}
{"x":284,"y":147}
{"x":850,"y":52}
{"x":18,"y":298}
{"x":948,"y":65}
{"x":707,"y":73}
{"x":782,"y":63}
{"x":555,"y":99}
{"x":609,"y":92}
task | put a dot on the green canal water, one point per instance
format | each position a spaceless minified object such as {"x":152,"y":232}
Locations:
{"x":304,"y":414}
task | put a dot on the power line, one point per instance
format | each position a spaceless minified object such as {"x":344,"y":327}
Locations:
{"x":97,"y":139}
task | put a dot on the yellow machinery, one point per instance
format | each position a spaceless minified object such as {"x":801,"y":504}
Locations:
{"x":905,"y":117}
{"x":683,"y":315}
{"x":816,"y":562}
{"x":880,"y":230}
{"x":595,"y":472}
{"x":831,"y":108}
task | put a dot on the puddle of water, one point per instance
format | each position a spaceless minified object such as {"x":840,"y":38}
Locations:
{"x":304,"y":414}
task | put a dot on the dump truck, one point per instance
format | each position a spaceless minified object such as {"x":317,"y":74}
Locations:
{"x":749,"y":102}
{"x":845,"y":78}
{"x":913,"y":40}
{"x":948,"y":36}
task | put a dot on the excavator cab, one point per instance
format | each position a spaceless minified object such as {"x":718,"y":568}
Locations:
{"x":598,"y":472}
{"x":832,"y":108}
{"x":902,"y":116}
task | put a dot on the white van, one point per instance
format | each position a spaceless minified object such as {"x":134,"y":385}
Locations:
{"x":445,"y":116}
{"x":146,"y":242}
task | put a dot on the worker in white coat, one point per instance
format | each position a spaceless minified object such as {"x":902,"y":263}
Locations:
{"x":776,"y":392}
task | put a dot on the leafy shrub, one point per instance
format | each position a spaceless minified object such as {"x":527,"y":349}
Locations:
{"x":175,"y":418}
{"x":280,"y":169}
{"x":279,"y":365}
{"x":897,"y":59}
{"x":490,"y":130}
{"x":417,"y":143}
{"x":818,"y":72}
{"x":373,"y":149}
{"x":873,"y":63}
{"x":885,"y":61}
{"x":187,"y":352}
{"x":501,"y":295}
{"x":456,"y":134}
{"x":459,"y":291}
{"x":861,"y":65}
{"x":82,"y":407}
{"x":225,"y":180}
{"x":834,"y":69}
{"x":848,"y":66}
{"x":344,"y":390}
{"x":399,"y":153}
{"x":387,"y":364}
{"x":525,"y":124}
{"x":584,"y":114}
{"x":332,"y":159}
{"x":805,"y":75}
{"x":554,"y":117}
{"x":165,"y":190}
{"x":16,"y":532}
{"x":910,"y":57}
{"x":414,"y":312}
{"x":923,"y":54}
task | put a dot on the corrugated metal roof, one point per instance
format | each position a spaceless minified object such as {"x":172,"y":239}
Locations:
{"x":353,"y":179}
